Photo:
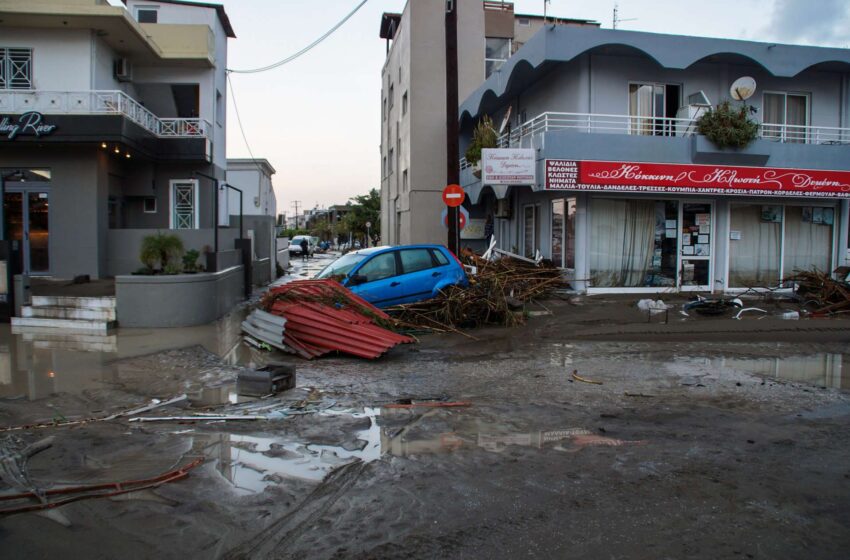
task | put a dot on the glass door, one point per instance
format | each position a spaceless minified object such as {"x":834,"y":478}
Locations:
{"x":28,"y":225}
{"x":696,"y":248}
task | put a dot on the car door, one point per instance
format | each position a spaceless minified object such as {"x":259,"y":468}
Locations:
{"x":419,"y":274}
{"x":382,"y":286}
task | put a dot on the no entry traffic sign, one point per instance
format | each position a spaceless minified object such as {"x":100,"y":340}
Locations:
{"x":453,"y":195}
{"x":462,"y":218}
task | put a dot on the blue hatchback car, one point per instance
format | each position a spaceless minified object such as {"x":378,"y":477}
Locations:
{"x":386,"y":276}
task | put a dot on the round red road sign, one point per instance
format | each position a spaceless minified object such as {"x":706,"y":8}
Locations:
{"x":453,"y":195}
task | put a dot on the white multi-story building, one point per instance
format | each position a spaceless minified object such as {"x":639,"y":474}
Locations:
{"x":413,"y":101}
{"x":130,"y":103}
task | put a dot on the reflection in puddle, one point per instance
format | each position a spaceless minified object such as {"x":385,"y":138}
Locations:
{"x":251,"y":463}
{"x":822,"y":370}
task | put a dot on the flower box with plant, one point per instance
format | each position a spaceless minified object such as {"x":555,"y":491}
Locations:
{"x":483,"y":136}
{"x":728,"y":126}
{"x":160,"y":254}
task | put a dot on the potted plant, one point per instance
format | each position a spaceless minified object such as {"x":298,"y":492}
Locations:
{"x":160,"y":252}
{"x":728,"y":126}
{"x":483,"y":136}
{"x":190,"y":261}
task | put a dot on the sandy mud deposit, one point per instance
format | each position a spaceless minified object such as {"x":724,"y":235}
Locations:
{"x":673,"y":444}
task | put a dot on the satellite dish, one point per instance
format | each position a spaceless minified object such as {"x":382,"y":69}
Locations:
{"x":743,"y":88}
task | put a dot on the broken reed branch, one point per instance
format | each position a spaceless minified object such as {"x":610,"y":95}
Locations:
{"x":820,"y":291}
{"x":495,"y":296}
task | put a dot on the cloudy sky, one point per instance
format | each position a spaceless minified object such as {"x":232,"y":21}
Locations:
{"x":317,"y":118}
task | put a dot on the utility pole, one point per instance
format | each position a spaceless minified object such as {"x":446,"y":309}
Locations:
{"x":452,"y":159}
{"x":296,"y":203}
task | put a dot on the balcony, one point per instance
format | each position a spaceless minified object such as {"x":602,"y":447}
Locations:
{"x":103,"y":102}
{"x":532,"y":133}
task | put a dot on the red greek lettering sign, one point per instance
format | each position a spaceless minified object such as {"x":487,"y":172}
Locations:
{"x":619,"y":176}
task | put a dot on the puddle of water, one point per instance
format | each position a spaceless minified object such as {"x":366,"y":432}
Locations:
{"x":822,"y":369}
{"x":251,"y":463}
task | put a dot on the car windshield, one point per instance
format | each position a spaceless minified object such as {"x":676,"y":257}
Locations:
{"x":342,"y":266}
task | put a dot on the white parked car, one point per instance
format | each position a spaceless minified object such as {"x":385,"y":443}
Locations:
{"x":295,"y":245}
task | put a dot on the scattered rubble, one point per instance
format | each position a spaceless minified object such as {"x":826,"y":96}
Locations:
{"x":316,"y":317}
{"x":496,"y":295}
{"x":820,"y":293}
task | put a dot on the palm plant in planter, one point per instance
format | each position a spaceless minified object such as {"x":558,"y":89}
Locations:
{"x":161,"y":252}
{"x":727,"y":126}
{"x":483,"y":136}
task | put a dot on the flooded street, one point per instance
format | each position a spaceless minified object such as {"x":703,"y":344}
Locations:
{"x":559,"y":443}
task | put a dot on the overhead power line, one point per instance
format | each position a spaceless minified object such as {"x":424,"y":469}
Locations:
{"x":302,"y":51}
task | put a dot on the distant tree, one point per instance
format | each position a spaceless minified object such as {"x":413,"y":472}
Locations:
{"x":322,"y":229}
{"x":290,"y":233}
{"x":364,"y":208}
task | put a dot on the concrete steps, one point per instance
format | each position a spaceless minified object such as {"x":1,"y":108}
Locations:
{"x":89,"y":314}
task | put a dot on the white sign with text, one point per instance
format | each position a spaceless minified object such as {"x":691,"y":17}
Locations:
{"x":508,"y":166}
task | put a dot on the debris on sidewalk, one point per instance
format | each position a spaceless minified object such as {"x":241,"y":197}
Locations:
{"x":320,"y":317}
{"x":496,"y":295}
{"x":712,"y":306}
{"x":577,"y":377}
{"x":71,"y":494}
{"x":820,"y":293}
{"x":653,"y":306}
{"x":429,"y":404}
{"x":267,"y":380}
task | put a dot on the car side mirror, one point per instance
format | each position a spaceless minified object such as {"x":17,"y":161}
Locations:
{"x":356,"y":280}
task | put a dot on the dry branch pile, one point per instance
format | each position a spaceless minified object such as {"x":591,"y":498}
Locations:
{"x":822,"y":294}
{"x":495,"y":296}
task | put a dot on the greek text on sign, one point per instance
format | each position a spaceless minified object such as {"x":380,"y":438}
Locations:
{"x":508,"y":166}
{"x":618,"y":176}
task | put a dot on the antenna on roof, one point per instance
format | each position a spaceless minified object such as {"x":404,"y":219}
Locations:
{"x":617,"y":19}
{"x":545,"y":5}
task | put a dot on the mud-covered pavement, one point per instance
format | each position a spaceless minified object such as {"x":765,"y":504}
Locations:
{"x":693,"y":445}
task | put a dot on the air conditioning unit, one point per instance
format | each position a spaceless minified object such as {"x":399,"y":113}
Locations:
{"x":123,"y":70}
{"x":503,"y":208}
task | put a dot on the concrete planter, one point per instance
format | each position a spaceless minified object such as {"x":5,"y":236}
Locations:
{"x":179,"y":300}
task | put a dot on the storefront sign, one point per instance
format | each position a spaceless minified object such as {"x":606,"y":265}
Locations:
{"x":618,"y":176}
{"x":508,"y":166}
{"x":26,"y":124}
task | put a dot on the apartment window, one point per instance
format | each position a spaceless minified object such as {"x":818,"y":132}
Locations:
{"x":399,"y":73}
{"x":497,"y":50}
{"x":146,"y":14}
{"x":786,"y":116}
{"x":150,"y":205}
{"x":384,"y":109}
{"x":392,"y":100}
{"x":15,"y":68}
{"x":652,"y":108}
{"x":524,"y":22}
{"x":404,"y":104}
{"x":384,"y":167}
{"x":390,"y":162}
{"x":404,"y":181}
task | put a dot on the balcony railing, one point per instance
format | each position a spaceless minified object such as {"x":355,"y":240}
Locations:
{"x":524,"y":134}
{"x":103,"y":102}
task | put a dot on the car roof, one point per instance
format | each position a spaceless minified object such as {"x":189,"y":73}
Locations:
{"x":373,"y":250}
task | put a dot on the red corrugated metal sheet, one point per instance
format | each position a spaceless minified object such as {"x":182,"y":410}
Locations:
{"x":322,"y":316}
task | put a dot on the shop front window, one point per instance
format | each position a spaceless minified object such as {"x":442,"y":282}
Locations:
{"x":633,"y":243}
{"x":563,"y":232}
{"x":808,"y":238}
{"x":755,"y":232}
{"x":530,"y":230}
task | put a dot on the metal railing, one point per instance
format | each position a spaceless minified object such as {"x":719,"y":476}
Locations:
{"x":101,"y":102}
{"x":593,"y":123}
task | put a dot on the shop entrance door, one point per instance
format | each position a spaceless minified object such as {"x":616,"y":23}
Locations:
{"x":27,"y":223}
{"x":697,"y":246}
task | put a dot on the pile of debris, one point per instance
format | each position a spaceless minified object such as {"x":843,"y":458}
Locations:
{"x":316,"y":317}
{"x":497,"y":293}
{"x":820,"y":293}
